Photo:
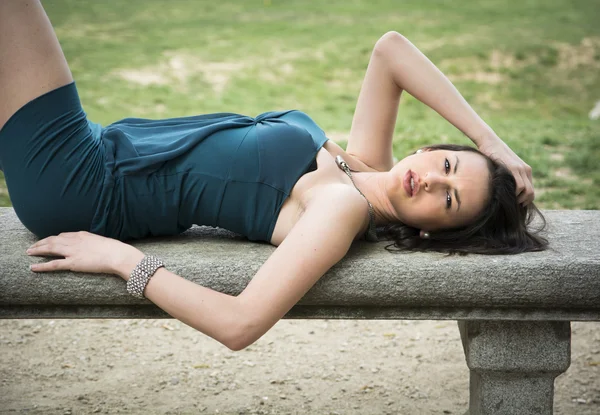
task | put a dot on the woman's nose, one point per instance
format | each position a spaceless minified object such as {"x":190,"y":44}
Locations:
{"x":433,"y":180}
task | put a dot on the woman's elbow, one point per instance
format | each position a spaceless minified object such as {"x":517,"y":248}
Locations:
{"x":236,"y":346}
{"x":392,"y":36}
{"x":243,"y":335}
{"x":240,"y":342}
{"x":235,"y":340}
{"x":388,"y":42}
{"x":240,"y":328}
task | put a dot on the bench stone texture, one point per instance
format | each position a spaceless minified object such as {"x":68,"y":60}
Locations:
{"x":513,"y":311}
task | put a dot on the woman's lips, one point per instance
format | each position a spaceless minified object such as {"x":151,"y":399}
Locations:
{"x":406,"y":181}
{"x":411,"y":174}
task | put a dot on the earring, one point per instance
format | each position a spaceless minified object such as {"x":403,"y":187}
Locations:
{"x":424,"y":235}
{"x":419,"y":150}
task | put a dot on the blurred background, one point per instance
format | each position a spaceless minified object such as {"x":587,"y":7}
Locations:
{"x":531,"y":69}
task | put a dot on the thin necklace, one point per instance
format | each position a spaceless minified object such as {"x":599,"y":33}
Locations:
{"x":371,"y":233}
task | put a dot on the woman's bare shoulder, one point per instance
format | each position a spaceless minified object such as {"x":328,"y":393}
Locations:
{"x":337,"y":202}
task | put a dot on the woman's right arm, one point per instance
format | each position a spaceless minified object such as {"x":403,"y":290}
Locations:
{"x":397,"y":65}
{"x":414,"y":72}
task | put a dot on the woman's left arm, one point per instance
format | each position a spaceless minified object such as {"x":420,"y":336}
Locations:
{"x":413,"y":72}
{"x":215,"y":314}
{"x":320,"y":238}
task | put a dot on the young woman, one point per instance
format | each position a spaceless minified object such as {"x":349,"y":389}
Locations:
{"x":85,"y":188}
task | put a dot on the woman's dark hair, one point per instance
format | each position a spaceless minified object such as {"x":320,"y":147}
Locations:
{"x":500,"y":229}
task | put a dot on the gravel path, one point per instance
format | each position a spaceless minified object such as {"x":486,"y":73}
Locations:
{"x":298,"y":367}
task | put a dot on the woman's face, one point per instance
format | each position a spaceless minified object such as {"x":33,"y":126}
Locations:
{"x":450,"y":188}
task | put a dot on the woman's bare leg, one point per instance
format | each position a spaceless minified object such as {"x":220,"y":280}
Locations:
{"x":31,"y":59}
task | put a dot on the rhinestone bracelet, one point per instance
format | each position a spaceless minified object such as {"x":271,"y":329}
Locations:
{"x":141,"y":274}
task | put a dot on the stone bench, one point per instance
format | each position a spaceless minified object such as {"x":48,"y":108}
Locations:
{"x":513,"y":312}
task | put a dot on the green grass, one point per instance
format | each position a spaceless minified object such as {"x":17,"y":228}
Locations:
{"x":529,"y":68}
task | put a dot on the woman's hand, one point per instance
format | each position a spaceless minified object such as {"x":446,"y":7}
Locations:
{"x":82,"y":251}
{"x":497,"y":150}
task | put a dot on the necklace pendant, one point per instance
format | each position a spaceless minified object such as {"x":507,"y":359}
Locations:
{"x":341,"y":163}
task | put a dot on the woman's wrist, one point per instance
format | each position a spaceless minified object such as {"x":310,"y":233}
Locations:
{"x":126,"y":261}
{"x":485,"y":137}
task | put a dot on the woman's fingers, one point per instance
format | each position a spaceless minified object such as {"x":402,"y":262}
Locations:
{"x":525,"y":195}
{"x":529,"y":182}
{"x":50,"y":248}
{"x":57,"y":264}
{"x":51,"y":243}
{"x":521,"y":171}
{"x":524,"y":183}
{"x":82,"y":251}
{"x":519,"y":182}
{"x":53,"y":239}
{"x":529,"y":173}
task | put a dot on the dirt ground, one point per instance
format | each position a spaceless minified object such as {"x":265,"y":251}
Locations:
{"x":298,"y":367}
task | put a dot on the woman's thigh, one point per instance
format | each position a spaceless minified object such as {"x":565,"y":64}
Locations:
{"x":54,"y":163}
{"x":31,"y":59}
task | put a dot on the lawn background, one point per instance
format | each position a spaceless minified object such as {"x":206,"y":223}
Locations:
{"x":531,"y":69}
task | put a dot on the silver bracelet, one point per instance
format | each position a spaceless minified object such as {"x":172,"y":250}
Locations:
{"x":141,"y":274}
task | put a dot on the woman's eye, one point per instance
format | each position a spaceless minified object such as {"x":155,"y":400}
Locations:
{"x":447,"y":165}
{"x":448,"y":200}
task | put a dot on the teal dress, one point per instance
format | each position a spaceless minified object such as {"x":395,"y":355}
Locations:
{"x":223,"y":170}
{"x":138,"y":177}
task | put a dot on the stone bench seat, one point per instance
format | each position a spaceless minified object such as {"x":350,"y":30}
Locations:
{"x":513,"y":311}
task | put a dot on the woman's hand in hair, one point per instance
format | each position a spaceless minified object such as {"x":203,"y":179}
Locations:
{"x":497,"y":150}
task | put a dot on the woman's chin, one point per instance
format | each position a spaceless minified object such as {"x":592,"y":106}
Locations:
{"x":407,"y":221}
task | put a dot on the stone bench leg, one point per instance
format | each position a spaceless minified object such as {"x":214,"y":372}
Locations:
{"x":513,"y":364}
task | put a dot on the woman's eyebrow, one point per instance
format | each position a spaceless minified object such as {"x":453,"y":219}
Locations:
{"x":456,"y":191}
